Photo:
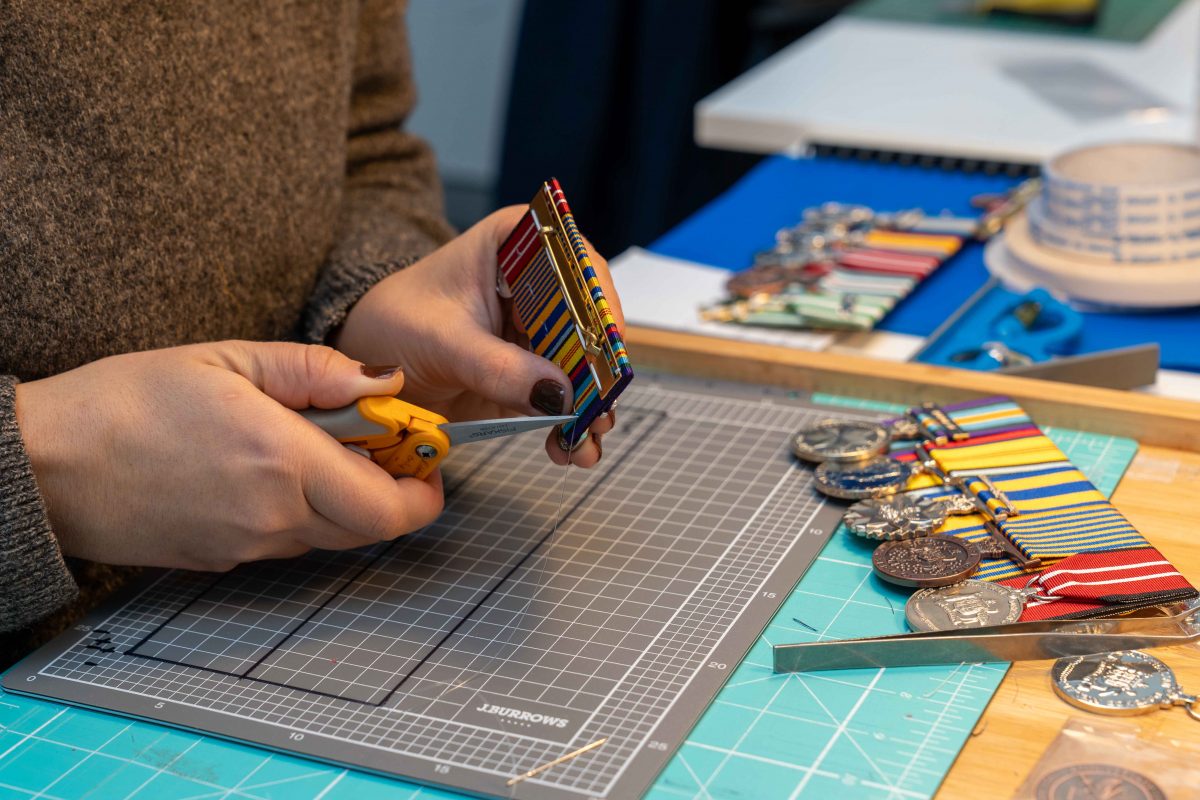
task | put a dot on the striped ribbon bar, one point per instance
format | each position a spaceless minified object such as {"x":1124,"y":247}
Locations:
{"x":939,"y":245}
{"x":888,"y":263}
{"x":559,"y":305}
{"x":1081,"y":585}
{"x":1057,"y":516}
{"x":845,"y":287}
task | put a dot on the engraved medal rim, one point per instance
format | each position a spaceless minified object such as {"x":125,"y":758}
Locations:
{"x":826,"y":486}
{"x":1160,"y":699}
{"x":806,"y":452}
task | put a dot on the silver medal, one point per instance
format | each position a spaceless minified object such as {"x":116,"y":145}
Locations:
{"x":1123,"y":683}
{"x":876,"y":477}
{"x":841,"y":440}
{"x":970,"y":604}
{"x":900,"y":516}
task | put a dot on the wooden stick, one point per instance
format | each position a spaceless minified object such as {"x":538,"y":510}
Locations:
{"x":539,"y":770}
{"x":1150,"y":419}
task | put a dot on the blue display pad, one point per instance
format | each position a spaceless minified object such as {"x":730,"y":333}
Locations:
{"x":728,"y":231}
{"x":859,"y":734}
{"x":990,"y":318}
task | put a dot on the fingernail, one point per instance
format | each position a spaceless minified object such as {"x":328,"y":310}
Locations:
{"x":548,"y":396}
{"x":612,"y":416}
{"x":383,"y":373}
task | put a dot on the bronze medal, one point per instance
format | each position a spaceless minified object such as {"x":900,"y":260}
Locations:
{"x":927,"y":562}
{"x":1097,"y":780}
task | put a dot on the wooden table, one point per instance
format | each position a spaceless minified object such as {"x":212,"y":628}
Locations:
{"x":1158,"y":494}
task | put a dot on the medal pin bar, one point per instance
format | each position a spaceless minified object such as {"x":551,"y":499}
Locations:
{"x":1103,"y":566}
{"x":852,"y":467}
{"x":842,"y":268}
{"x":558,"y":304}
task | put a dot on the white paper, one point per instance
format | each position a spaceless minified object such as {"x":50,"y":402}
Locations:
{"x":661,"y":292}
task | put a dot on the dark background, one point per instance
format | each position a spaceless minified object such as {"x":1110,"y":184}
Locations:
{"x":603,"y":96}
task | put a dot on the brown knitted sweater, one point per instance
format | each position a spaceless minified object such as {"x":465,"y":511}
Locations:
{"x":182,"y":172}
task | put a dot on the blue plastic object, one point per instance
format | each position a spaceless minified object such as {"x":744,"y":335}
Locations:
{"x":1051,"y":328}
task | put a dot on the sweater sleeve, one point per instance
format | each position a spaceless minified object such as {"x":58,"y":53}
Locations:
{"x":34,"y":580}
{"x":391,"y":211}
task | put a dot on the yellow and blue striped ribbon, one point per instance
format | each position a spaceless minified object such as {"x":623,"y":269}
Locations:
{"x":1059,"y":511}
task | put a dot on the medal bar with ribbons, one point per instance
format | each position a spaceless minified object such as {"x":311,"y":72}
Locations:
{"x":984,"y":474}
{"x":559,"y":305}
{"x":1093,"y":560}
{"x":841,"y":268}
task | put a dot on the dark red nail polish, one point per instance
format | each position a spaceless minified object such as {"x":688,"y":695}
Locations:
{"x":384,"y":372}
{"x":548,"y":396}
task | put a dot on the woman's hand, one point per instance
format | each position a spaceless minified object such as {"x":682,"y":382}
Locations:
{"x":443,"y":320}
{"x":190,"y":457}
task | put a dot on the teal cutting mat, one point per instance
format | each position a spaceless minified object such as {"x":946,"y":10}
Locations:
{"x":863,"y":733}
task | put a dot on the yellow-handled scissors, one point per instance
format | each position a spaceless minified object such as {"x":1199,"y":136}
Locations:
{"x":408,"y":440}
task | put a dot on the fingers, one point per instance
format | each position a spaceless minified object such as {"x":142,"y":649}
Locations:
{"x":358,"y":497}
{"x":508,"y":375}
{"x":304,"y":376}
{"x":589,"y":451}
{"x":603,"y":423}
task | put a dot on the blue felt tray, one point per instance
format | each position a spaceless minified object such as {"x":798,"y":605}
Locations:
{"x":728,"y":231}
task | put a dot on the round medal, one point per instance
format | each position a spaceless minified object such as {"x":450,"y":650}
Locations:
{"x":1123,"y":683}
{"x":929,"y":561}
{"x":1097,"y":780}
{"x":900,"y":516}
{"x":876,"y":477}
{"x":765,"y":279}
{"x":970,"y":604}
{"x":840,"y":440}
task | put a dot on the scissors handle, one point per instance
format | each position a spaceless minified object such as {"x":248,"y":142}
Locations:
{"x":404,"y":439}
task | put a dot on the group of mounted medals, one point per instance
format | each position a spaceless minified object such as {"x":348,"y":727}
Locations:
{"x":852,"y":464}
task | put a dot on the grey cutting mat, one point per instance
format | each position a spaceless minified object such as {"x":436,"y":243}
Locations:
{"x":489,"y":643}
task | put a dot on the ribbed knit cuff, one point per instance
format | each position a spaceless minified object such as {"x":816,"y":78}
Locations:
{"x":34,"y":581}
{"x":338,"y":289}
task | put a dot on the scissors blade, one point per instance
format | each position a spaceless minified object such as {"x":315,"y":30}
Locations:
{"x":480,"y":429}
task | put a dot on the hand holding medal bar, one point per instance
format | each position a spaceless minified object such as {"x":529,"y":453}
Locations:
{"x":559,"y":306}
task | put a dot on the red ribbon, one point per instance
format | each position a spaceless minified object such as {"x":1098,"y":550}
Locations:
{"x":1086,"y":583}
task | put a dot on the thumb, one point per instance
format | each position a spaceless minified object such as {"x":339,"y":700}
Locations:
{"x":306,"y":376}
{"x":509,"y":375}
